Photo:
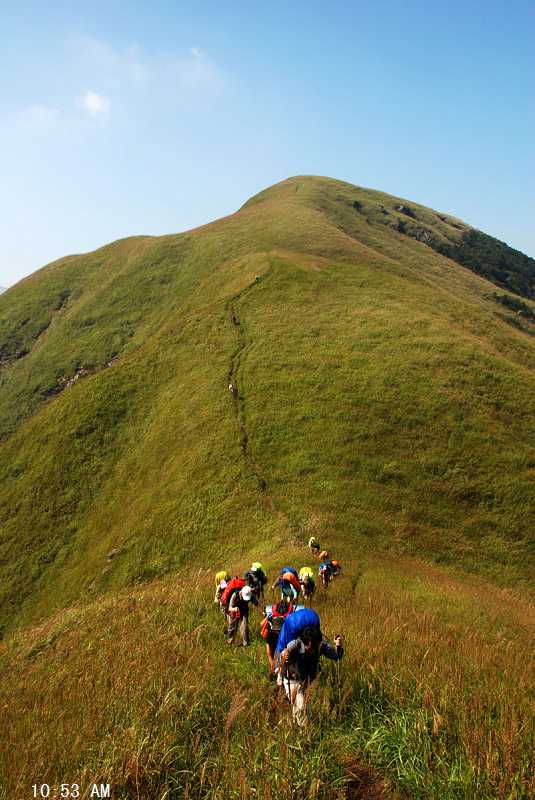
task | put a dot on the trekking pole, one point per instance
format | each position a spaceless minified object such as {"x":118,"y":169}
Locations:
{"x":338,"y":681}
{"x":339,"y":693}
{"x":290,"y":696}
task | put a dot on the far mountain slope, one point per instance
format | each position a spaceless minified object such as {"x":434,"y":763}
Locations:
{"x":385,"y":400}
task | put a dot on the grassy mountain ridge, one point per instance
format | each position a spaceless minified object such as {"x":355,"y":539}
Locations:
{"x":384,"y":396}
{"x":492,"y":259}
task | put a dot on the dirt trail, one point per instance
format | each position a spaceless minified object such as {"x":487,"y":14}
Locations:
{"x":239,"y":398}
{"x":363,"y":782}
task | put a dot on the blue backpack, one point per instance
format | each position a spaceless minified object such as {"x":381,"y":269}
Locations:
{"x":294,"y":624}
{"x":289,"y":569}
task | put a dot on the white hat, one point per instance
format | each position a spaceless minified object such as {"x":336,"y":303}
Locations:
{"x":246,"y":593}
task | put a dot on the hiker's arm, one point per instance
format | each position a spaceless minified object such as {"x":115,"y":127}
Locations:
{"x":334,"y":653}
{"x":233,"y":608}
{"x":290,"y":648}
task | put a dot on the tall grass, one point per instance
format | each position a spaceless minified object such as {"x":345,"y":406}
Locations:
{"x":431,"y":701}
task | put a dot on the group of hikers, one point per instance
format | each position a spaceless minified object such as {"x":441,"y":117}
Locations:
{"x":291,"y":631}
{"x":329,"y":568}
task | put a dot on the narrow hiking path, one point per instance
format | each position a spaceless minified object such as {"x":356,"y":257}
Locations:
{"x":238,"y":396}
{"x":362,"y":781}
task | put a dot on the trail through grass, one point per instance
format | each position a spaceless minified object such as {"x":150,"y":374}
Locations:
{"x":141,"y":691}
{"x":382,"y":398}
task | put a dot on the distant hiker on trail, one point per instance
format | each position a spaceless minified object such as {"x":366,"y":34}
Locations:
{"x":336,"y":568}
{"x":221,"y":580}
{"x":271,"y":627}
{"x":256,"y":578}
{"x":314,"y":546}
{"x":233,"y":389}
{"x":238,"y":614}
{"x":287,"y":589}
{"x":281,"y":573}
{"x":300,"y":647}
{"x":325,"y":573}
{"x":288,"y":583}
{"x":308,"y":584}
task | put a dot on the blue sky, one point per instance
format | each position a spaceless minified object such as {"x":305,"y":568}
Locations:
{"x":134,"y":118}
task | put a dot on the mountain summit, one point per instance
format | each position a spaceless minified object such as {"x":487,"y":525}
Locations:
{"x":382,"y":356}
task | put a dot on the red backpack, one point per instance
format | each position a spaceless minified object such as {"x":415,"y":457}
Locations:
{"x":276,"y":622}
{"x":232,"y":586}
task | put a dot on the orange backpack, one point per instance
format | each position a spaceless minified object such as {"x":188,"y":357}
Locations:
{"x":291,"y":578}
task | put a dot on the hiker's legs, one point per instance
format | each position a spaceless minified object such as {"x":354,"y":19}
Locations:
{"x":244,"y":630}
{"x":296,"y":694}
{"x":270,"y":654}
{"x":299,"y":708}
{"x":231,"y":630}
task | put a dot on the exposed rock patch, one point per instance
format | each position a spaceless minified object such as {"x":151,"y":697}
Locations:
{"x":405,"y":210}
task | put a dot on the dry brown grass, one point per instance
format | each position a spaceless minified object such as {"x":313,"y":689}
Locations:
{"x":140,"y":690}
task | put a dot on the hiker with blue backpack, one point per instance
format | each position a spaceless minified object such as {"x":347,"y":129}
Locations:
{"x":299,"y":649}
{"x":325,"y":573}
{"x":288,"y":584}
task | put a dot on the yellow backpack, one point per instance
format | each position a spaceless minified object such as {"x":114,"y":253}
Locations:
{"x":221,"y":576}
{"x":306,"y":571}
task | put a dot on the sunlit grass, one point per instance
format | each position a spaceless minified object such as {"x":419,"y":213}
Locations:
{"x":141,"y":691}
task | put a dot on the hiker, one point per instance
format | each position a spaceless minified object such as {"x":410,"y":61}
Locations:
{"x":232,"y":389}
{"x":325,"y":573}
{"x":324,"y":555}
{"x":308,"y":584}
{"x":238,"y":614}
{"x":300,"y":647}
{"x":256,"y":578}
{"x":289,"y":569}
{"x":221,"y":580}
{"x":314,"y":546}
{"x":281,"y":573}
{"x":336,"y":568}
{"x":271,"y":627}
{"x":288,"y":583}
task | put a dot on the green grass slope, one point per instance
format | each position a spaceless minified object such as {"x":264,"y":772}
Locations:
{"x":386,"y":397}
